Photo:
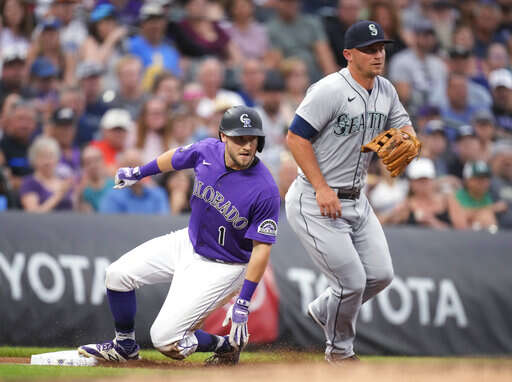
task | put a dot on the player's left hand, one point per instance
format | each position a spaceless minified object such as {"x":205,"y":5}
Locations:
{"x":238,"y":313}
{"x":126,"y":176}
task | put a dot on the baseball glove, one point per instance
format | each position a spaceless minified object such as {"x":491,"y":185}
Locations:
{"x":395,"y":148}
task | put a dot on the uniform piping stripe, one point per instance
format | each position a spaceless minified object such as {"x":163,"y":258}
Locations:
{"x":328,"y":267}
{"x":364,"y":131}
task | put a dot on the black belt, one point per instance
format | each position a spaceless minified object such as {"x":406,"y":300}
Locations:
{"x":349,"y":193}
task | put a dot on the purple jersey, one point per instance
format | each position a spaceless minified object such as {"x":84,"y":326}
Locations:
{"x":229,"y":208}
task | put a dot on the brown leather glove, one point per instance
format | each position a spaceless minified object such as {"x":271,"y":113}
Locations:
{"x":395,"y":148}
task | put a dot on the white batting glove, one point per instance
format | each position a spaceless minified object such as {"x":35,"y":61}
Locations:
{"x":238,"y":313}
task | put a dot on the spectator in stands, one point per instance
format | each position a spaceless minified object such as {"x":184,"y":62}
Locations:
{"x":7,"y":199}
{"x":211,"y":77}
{"x":387,"y":192}
{"x":62,"y":128}
{"x":150,"y":45}
{"x":457,"y":111}
{"x":386,"y":14}
{"x":197,"y":36}
{"x":501,"y":182}
{"x":274,"y":120}
{"x":104,"y":44}
{"x":500,"y":81}
{"x":179,"y":187}
{"x":183,"y":129}
{"x":475,"y":198}
{"x":485,"y":27}
{"x":465,"y":150}
{"x":293,"y":34}
{"x":296,"y":79}
{"x":46,"y":44}
{"x":461,"y":61}
{"x":169,"y":88}
{"x":497,"y":57}
{"x":153,"y":129}
{"x":416,"y":72}
{"x":44,"y":86}
{"x":347,"y":13}
{"x":95,"y":182}
{"x":483,"y":123}
{"x":127,"y":11}
{"x":13,"y":73}
{"x":72,"y":32}
{"x":247,"y":35}
{"x":17,"y":24}
{"x":6,"y":112}
{"x":138,"y":199}
{"x":16,"y":141}
{"x":251,"y":80}
{"x":44,"y":191}
{"x":425,"y":206}
{"x":435,"y":145}
{"x":115,"y":125}
{"x":89,"y":81}
{"x":286,"y":175}
{"x":130,"y":95}
{"x":463,"y":36}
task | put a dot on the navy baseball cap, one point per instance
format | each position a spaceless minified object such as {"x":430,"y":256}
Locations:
{"x":101,"y":12}
{"x":364,"y":33}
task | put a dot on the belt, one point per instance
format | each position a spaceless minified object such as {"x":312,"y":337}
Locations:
{"x":220,"y":261}
{"x":349,"y":193}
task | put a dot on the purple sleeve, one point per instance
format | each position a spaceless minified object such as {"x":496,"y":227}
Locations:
{"x":28,"y":185}
{"x":186,"y":156}
{"x":264,"y":222}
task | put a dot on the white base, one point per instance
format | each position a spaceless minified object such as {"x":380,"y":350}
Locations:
{"x":62,"y":358}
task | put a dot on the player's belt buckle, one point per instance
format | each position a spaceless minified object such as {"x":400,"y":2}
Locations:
{"x":349,"y":193}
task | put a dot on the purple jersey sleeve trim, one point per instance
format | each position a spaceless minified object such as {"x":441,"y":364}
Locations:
{"x":149,"y":169}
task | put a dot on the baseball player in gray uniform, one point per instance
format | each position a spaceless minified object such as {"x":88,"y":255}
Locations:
{"x":226,"y":247}
{"x":325,"y":205}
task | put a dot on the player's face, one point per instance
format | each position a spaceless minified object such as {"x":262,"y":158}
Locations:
{"x":240,"y":151}
{"x":369,"y":60}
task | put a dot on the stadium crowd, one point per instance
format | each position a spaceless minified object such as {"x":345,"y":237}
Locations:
{"x":90,"y":86}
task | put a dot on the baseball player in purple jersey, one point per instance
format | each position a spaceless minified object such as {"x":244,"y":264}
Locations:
{"x":224,"y":250}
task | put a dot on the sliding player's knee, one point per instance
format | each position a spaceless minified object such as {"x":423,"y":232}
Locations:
{"x":179,"y":349}
{"x":117,"y":279}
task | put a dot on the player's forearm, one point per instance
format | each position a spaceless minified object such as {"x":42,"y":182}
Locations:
{"x":258,"y":263}
{"x":409,"y":130}
{"x":303,"y":153}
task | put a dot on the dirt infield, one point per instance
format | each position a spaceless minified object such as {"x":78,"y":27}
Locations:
{"x":428,"y":370}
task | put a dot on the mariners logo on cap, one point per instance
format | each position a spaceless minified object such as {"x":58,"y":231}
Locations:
{"x":373,"y":30}
{"x":244,"y":118}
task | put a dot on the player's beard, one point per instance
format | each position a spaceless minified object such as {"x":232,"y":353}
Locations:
{"x":241,"y":163}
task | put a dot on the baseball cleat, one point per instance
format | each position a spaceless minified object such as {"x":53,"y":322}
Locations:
{"x":223,"y":359}
{"x":336,"y":359}
{"x":110,"y":351}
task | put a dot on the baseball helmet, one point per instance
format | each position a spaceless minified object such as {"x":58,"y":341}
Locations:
{"x":242,"y":120}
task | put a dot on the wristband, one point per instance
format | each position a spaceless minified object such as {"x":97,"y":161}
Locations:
{"x":248,"y":290}
{"x":148,"y":169}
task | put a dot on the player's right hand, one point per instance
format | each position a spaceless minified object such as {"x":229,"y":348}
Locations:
{"x":126,"y":176}
{"x":328,"y":201}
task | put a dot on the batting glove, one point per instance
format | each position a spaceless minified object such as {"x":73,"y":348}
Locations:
{"x":238,"y":313}
{"x":127,"y":176}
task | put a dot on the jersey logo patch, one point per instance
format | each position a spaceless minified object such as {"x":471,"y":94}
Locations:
{"x":268,"y":227}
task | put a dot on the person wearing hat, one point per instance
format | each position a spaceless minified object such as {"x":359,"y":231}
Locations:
{"x":115,"y":126}
{"x":475,"y":197}
{"x":425,"y":205}
{"x":127,"y":12}
{"x":150,"y":44}
{"x":483,"y":123}
{"x":500,"y":81}
{"x":72,"y":32}
{"x":62,"y":128}
{"x":501,"y":182}
{"x":435,"y":145}
{"x":465,"y":149}
{"x":13,"y":73}
{"x":339,"y":118}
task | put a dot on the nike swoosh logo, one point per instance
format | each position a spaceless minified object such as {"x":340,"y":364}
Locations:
{"x":206,"y":163}
{"x":351,"y":99}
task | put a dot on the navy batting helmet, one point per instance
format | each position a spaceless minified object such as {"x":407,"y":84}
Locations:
{"x":242,"y":120}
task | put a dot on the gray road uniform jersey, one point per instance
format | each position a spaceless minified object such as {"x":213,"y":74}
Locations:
{"x":347,"y":117}
{"x":352,"y":251}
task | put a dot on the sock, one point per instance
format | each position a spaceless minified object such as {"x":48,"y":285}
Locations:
{"x":123,"y":306}
{"x":206,"y":342}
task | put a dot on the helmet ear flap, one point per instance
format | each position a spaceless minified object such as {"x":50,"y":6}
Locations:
{"x":261,"y":144}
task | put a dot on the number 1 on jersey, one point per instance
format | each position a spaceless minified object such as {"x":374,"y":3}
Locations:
{"x":222,"y":235}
